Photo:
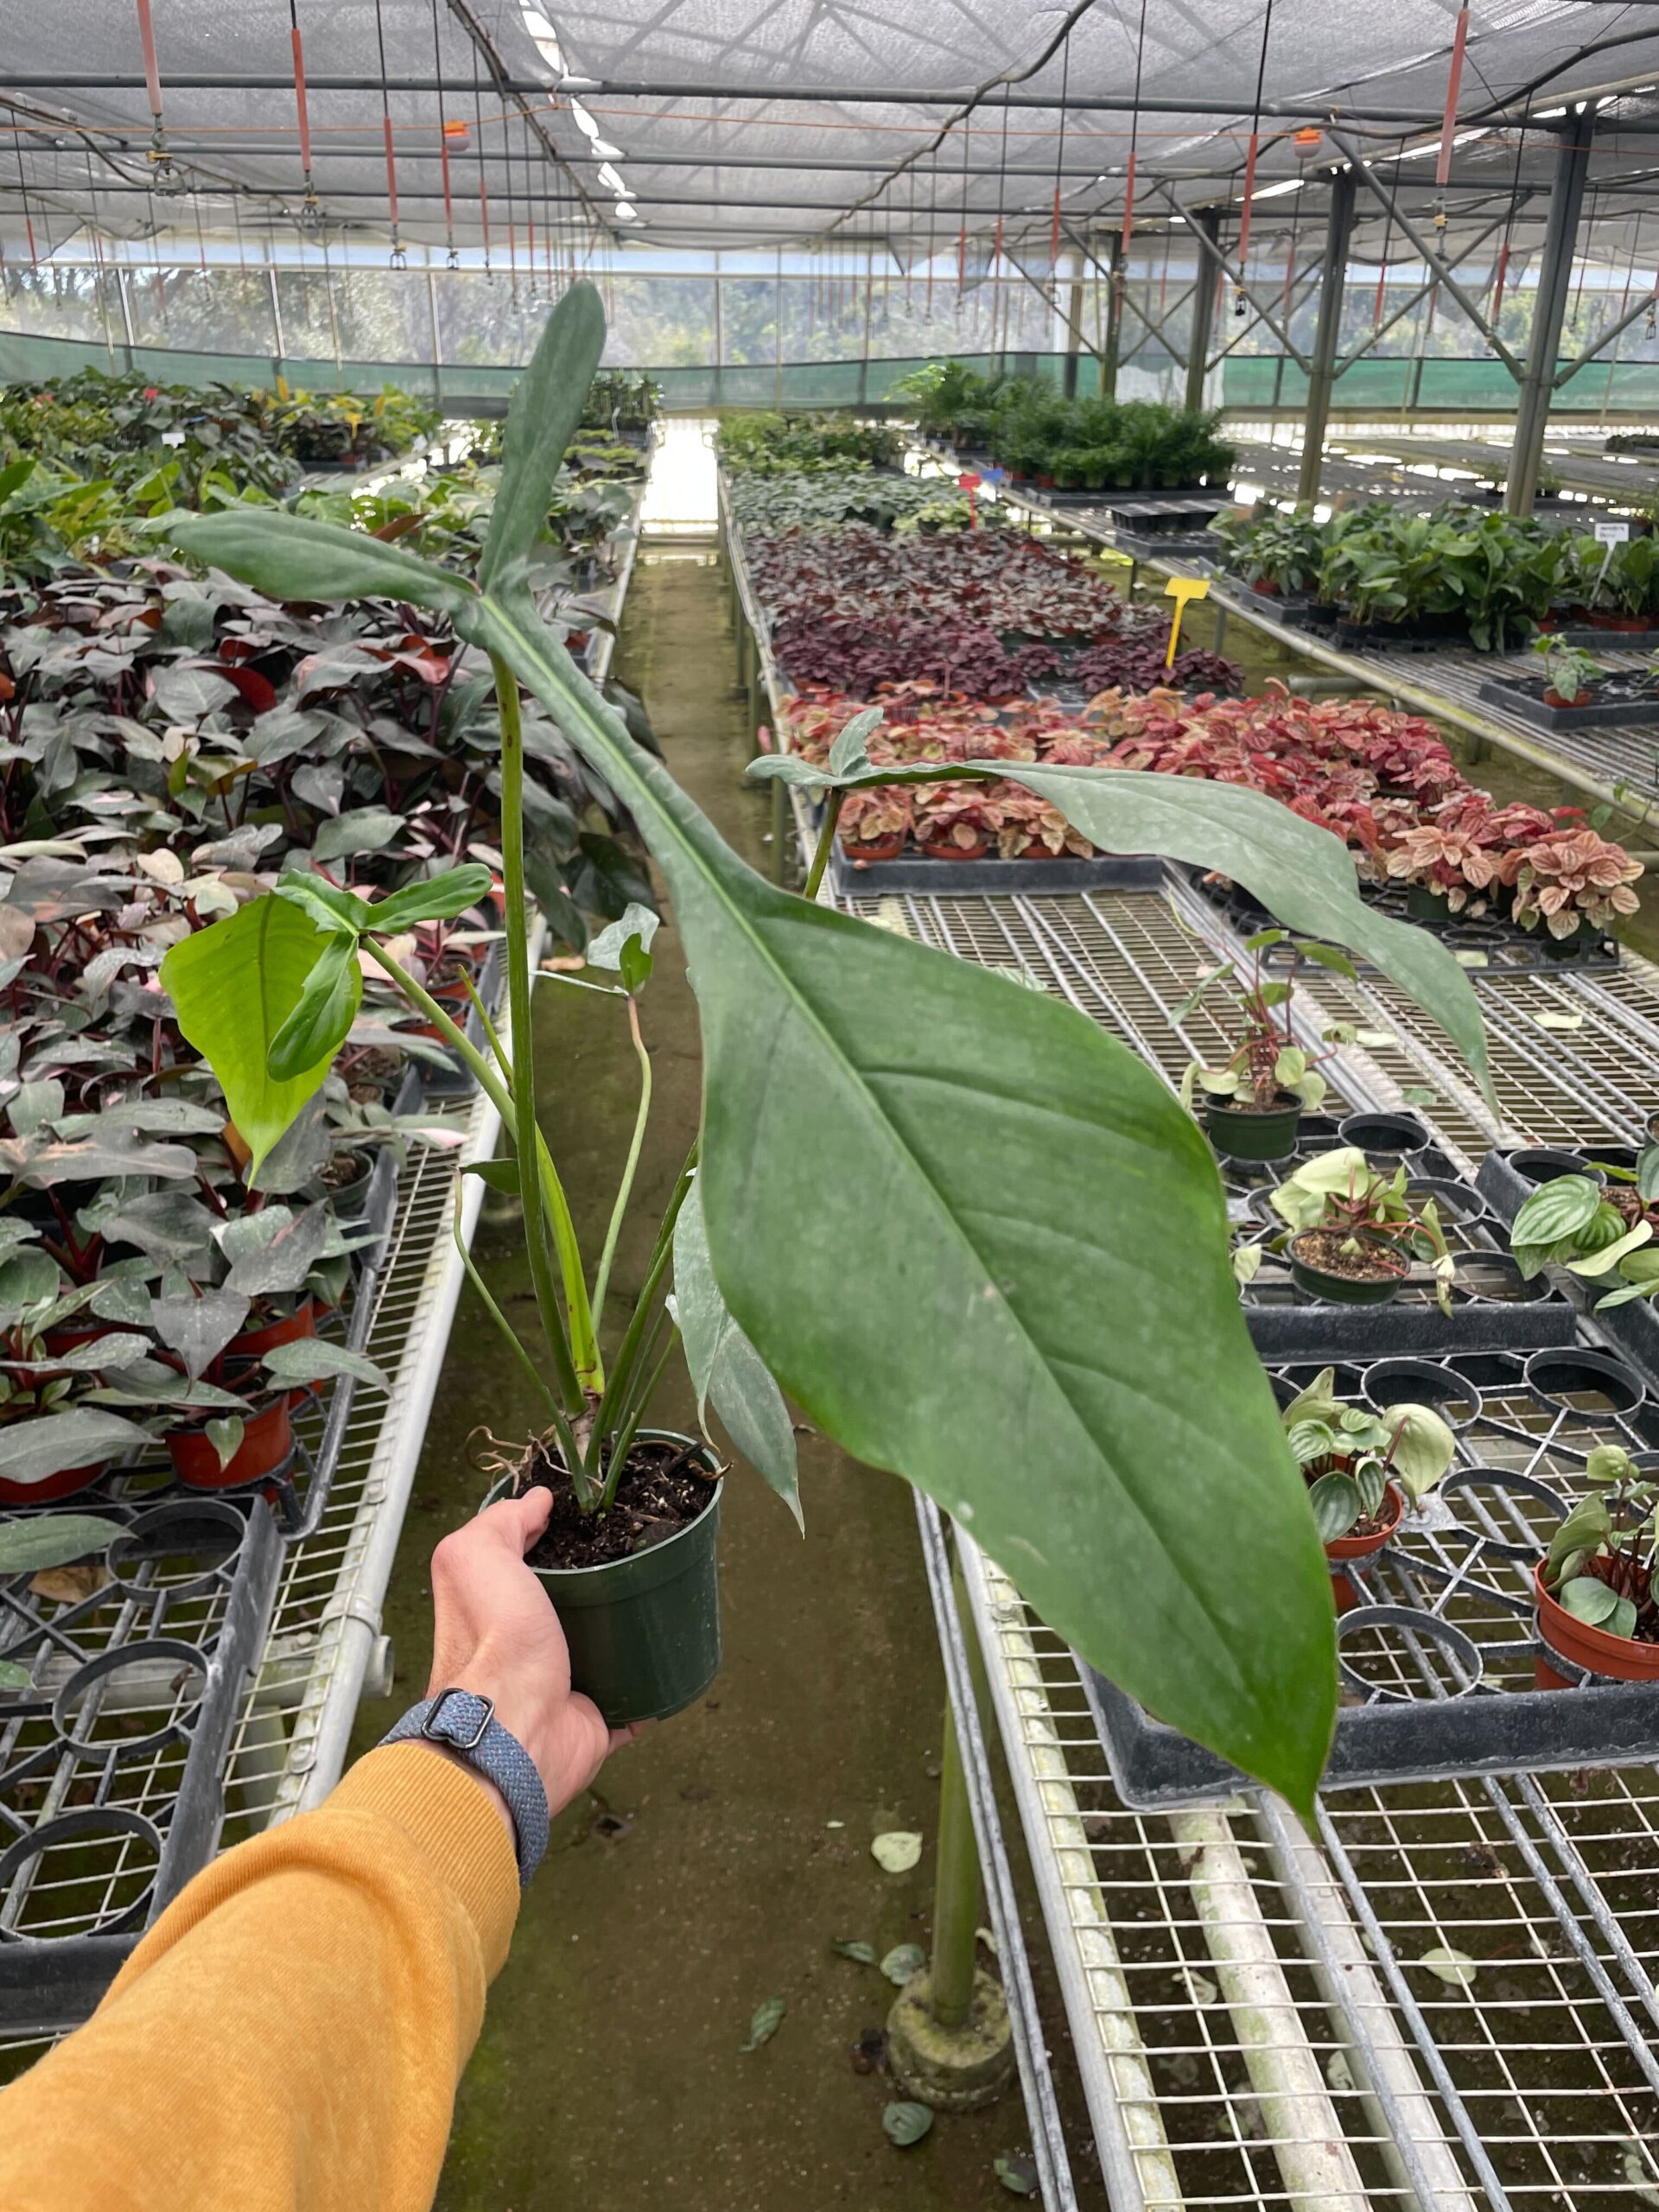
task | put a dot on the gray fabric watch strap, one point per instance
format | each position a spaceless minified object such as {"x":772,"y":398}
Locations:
{"x":466,"y":1724}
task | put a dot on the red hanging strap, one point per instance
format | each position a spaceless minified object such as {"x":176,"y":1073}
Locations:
{"x":299,"y":96}
{"x":1497,"y":288}
{"x":1244,"y":213}
{"x":1128,"y":204}
{"x":1454,"y":80}
{"x":152,"y":74}
{"x":391,"y":170}
{"x":448,"y":209}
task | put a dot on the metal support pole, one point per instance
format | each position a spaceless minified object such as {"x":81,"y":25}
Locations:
{"x":1549,"y":312}
{"x":275,"y":314}
{"x":719,"y":346}
{"x":1204,"y":310}
{"x":1333,"y":272}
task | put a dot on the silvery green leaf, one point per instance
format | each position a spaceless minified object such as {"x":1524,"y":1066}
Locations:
{"x":52,"y":1540}
{"x":83,"y":1437}
{"x":726,"y":1369}
{"x":905,"y":2122}
{"x":198,"y":1329}
{"x":315,"y":1359}
{"x":605,"y":951}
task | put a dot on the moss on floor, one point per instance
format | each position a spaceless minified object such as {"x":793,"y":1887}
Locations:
{"x":723,"y":1853}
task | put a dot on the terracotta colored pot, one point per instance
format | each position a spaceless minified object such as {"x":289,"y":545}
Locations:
{"x":1341,"y":1547}
{"x":267,"y":1440}
{"x":976,"y":851}
{"x":1267,"y":588}
{"x":66,"y":1483}
{"x":861,"y":854}
{"x":1618,"y":1657}
{"x":1634,"y":622}
{"x":253,"y":1344}
{"x":1553,"y":698}
{"x":74,"y":1334}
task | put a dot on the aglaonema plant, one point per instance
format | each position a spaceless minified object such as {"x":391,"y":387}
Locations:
{"x":867,"y":1103}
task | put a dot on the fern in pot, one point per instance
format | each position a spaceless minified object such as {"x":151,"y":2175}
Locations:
{"x":1028,"y":1367}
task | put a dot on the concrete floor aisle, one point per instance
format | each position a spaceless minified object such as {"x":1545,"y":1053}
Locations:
{"x":730,"y":1849}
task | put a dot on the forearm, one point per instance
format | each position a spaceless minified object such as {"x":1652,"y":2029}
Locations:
{"x":290,"y":2032}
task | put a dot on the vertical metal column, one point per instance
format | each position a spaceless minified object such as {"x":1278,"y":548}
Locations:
{"x":1204,"y":308}
{"x":1548,"y":310}
{"x":719,"y":335}
{"x":1333,"y":272}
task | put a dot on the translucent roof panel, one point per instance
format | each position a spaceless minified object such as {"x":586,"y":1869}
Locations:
{"x":740,"y":122}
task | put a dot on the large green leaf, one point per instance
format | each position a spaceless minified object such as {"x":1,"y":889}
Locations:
{"x":542,"y":419}
{"x":291,"y":558}
{"x":1022,"y":1345}
{"x":1303,"y":874}
{"x":233,"y":986}
{"x":725,"y":1366}
{"x":84,"y":1436}
{"x":52,"y":1540}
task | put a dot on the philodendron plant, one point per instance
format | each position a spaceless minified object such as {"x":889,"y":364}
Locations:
{"x":1030,"y":1366}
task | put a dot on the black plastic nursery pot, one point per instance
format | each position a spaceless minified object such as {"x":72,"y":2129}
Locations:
{"x":1243,"y":1133}
{"x":643,"y":1631}
{"x":1342,"y":1290}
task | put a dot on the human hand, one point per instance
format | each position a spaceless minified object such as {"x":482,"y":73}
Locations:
{"x":495,"y":1632}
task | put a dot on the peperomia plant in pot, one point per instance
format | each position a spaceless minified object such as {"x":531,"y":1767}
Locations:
{"x":1028,"y":1367}
{"x":1597,"y":1605}
{"x":1363,"y":1469}
{"x":1355,"y":1233}
{"x":1254,"y":1101}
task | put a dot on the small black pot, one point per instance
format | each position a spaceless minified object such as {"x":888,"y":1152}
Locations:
{"x":1238,"y":1134}
{"x":1339,"y":1290}
{"x":1426,"y":905}
{"x":643,"y":1631}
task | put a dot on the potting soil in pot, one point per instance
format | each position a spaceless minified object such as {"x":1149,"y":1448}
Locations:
{"x":660,"y":1493}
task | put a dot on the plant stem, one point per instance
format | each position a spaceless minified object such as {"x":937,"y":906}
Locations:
{"x":501,"y":1097}
{"x":626,"y":1189}
{"x":955,"y":1890}
{"x":584,"y":1339}
{"x":832,"y":800}
{"x":527,"y":1129}
{"x":567,"y":1439}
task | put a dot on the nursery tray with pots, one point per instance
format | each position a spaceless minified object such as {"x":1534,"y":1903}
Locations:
{"x":1507,"y":1179}
{"x":1623,"y":699}
{"x":137,"y":1649}
{"x":1294,"y":1314}
{"x":455,"y":1080}
{"x":1444,"y":1671}
{"x":914,"y":871}
{"x":1477,"y":942}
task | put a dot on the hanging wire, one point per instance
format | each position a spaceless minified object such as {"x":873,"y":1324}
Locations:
{"x":999,"y":301}
{"x":1059,"y":164}
{"x":1122,"y":274}
{"x":399,"y":258}
{"x":531,"y":297}
{"x":452,"y":260}
{"x":1382,"y":267}
{"x":1449,"y":122}
{"x":22,"y":193}
{"x":310,"y":214}
{"x":483,"y":186}
{"x":1250,"y":162}
{"x":1502,"y":266}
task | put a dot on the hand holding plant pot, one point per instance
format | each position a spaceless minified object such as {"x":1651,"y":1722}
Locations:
{"x":1254,"y":1101}
{"x":1598,"y":1603}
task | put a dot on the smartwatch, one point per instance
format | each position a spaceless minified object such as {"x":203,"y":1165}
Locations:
{"x":466,"y":1724}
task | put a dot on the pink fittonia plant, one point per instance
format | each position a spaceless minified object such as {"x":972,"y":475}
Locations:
{"x":875,"y":817}
{"x":1574,"y":876}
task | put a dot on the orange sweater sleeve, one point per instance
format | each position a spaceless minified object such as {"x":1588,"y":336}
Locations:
{"x":288,"y":2036}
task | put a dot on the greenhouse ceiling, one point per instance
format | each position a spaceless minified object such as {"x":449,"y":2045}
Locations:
{"x":922,"y":127}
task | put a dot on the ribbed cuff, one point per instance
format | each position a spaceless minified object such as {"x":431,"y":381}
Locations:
{"x":447,"y":1811}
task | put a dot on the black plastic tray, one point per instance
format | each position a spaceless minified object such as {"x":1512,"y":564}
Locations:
{"x":1503,"y":1181}
{"x":121,"y":1851}
{"x":1613,"y":714}
{"x":1438,"y":1657}
{"x":1492,"y":1309}
{"x":916,"y":872}
{"x":1486,"y":943}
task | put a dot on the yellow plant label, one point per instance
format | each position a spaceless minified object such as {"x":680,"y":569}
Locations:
{"x":1181,"y":589}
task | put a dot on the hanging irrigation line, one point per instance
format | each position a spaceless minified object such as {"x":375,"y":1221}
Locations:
{"x":399,"y":258}
{"x":1121,"y":274}
{"x":167,"y":177}
{"x":310,"y":210}
{"x":483,"y":183}
{"x":1008,"y":78}
{"x":453,"y":259}
{"x":1059,"y":161}
{"x":1250,"y":151}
